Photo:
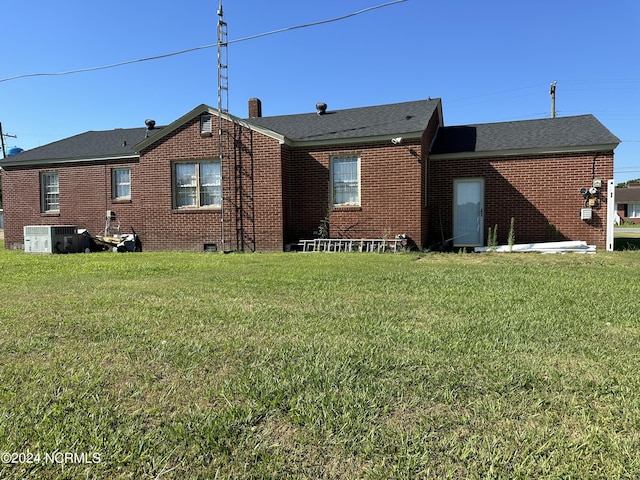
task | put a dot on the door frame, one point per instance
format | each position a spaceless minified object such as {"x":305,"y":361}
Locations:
{"x":480,"y":241}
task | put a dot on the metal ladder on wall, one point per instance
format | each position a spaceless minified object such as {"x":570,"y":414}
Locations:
{"x":243,"y":189}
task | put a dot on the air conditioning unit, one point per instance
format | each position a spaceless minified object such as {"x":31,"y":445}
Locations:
{"x":52,"y":239}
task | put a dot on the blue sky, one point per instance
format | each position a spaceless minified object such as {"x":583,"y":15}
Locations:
{"x":489,"y":61}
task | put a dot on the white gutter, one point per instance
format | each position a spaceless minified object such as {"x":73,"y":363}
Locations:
{"x":523,"y":151}
{"x":51,"y":161}
{"x":352,"y":140}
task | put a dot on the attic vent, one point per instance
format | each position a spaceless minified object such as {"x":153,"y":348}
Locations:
{"x":321,"y":108}
{"x":206,"y":124}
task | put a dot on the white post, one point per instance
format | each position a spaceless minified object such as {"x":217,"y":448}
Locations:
{"x":611,"y":213}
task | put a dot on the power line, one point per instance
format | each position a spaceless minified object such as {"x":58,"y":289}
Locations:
{"x":317,"y":23}
{"x":499,"y":92}
{"x":203,"y":47}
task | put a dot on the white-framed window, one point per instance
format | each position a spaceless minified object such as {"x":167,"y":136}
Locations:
{"x":633,"y":210}
{"x":345,"y":180}
{"x":49,"y":192}
{"x":121,"y":184}
{"x":197,"y":184}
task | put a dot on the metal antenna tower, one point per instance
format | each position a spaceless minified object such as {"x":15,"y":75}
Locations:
{"x":223,"y":107}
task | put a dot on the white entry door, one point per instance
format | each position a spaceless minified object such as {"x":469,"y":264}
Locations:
{"x":468,"y":212}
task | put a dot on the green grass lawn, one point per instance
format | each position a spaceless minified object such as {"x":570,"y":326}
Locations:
{"x":257,"y":366}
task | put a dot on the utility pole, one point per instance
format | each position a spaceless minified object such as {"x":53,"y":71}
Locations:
{"x":552,"y":92}
{"x":2,"y":135}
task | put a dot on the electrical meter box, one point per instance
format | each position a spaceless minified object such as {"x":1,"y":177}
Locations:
{"x":52,"y":239}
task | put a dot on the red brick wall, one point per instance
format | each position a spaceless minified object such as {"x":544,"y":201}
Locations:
{"x":391,"y":193}
{"x":285,"y":194}
{"x":268,"y":191}
{"x":254,"y":156}
{"x":163,"y":227}
{"x":427,"y":138}
{"x":540,"y":192}
{"x":85,"y":196}
{"x":276,"y":193}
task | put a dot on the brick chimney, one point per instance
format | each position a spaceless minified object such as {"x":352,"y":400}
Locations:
{"x":255,"y":108}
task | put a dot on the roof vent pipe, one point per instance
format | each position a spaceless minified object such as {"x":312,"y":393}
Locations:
{"x":321,"y":108}
{"x":150,"y":126}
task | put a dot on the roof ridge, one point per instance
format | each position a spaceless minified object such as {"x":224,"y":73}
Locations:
{"x":314,"y":112}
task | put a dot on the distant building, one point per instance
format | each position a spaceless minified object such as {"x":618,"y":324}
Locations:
{"x":628,"y":203}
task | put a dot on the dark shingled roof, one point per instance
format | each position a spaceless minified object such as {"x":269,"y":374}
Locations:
{"x":629,"y":194}
{"x":360,"y":122}
{"x":563,"y":132}
{"x":381,"y":120}
{"x":88,"y":145}
{"x":353,"y":123}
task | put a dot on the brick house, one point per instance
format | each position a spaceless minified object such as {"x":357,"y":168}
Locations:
{"x":628,"y":203}
{"x":532,"y":171}
{"x":262,"y":183}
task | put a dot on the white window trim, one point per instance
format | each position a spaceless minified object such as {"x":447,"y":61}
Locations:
{"x":332,"y":160}
{"x":636,"y":210}
{"x":114,"y":186}
{"x":174,"y":187}
{"x":44,"y":204}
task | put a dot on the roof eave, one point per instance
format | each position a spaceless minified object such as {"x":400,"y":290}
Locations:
{"x":52,"y":161}
{"x":265,"y":131}
{"x":417,"y":135}
{"x":524,"y":151}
